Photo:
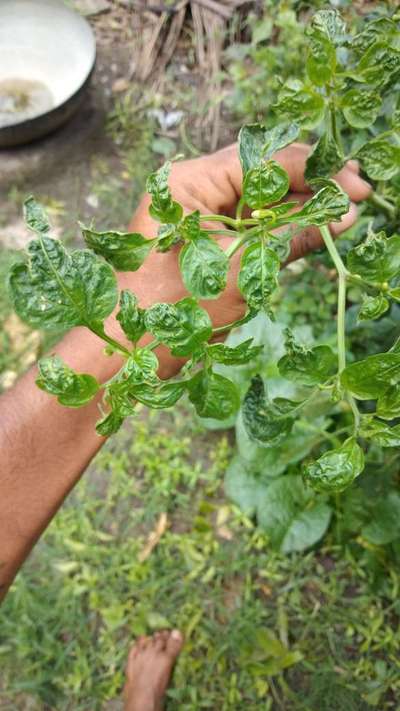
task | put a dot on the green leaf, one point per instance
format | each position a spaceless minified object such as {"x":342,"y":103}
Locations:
{"x":325,"y":160}
{"x":162,"y":207}
{"x":265,"y":184}
{"x":330,"y":23}
{"x":213,"y":395}
{"x":243,"y":353}
{"x":183,"y":326}
{"x":377,"y":259}
{"x":367,"y":379}
{"x":57,"y":378}
{"x":291,"y":516}
{"x":263,"y":420}
{"x":380,"y":158}
{"x":109,"y":424}
{"x":259,"y":268}
{"x":384,"y":525}
{"x":131,"y":316}
{"x":378,"y":64}
{"x":329,"y":204}
{"x":35,"y":216}
{"x":301,"y":104}
{"x":243,"y":486}
{"x":257,"y":143}
{"x":380,"y":29}
{"x":126,"y":251}
{"x":141,"y":367}
{"x":160,"y":396}
{"x":56,"y":289}
{"x":380,"y":432}
{"x":335,"y":470}
{"x":321,"y":59}
{"x":388,"y":405}
{"x":361,"y":108}
{"x":204,"y":267}
{"x":307,"y":366}
{"x":168,"y":236}
{"x":372,"y":307}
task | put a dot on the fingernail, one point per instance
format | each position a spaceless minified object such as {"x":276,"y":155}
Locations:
{"x":175,"y":634}
{"x":353,"y":165}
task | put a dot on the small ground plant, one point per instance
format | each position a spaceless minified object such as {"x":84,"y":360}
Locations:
{"x":349,"y":85}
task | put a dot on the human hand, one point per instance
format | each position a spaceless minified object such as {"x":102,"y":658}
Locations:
{"x":212,"y":185}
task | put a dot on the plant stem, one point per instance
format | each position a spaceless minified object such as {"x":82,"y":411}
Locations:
{"x":383,"y":204}
{"x":238,"y":242}
{"x":116,"y":346}
{"x":341,"y":315}
{"x":219,"y":218}
{"x":231,"y":233}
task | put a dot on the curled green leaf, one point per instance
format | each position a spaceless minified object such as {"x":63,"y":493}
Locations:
{"x":183,"y":326}
{"x":126,"y":251}
{"x":163,"y":208}
{"x":213,"y":395}
{"x":243,"y":353}
{"x":325,"y":160}
{"x":131,"y":316}
{"x":335,"y":470}
{"x":259,"y":269}
{"x":360,"y":107}
{"x":263,"y":420}
{"x":373,"y":307}
{"x":204,"y":267}
{"x":35,"y":216}
{"x":265,"y":184}
{"x":380,"y":158}
{"x":301,"y":104}
{"x":377,"y":259}
{"x":72,"y":389}
{"x":307,"y":366}
{"x":367,"y":379}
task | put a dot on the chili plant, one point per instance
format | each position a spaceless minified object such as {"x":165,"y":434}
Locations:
{"x":348,"y":80}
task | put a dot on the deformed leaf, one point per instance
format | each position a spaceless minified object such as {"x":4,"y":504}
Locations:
{"x":264,"y":422}
{"x":259,"y":269}
{"x":383,"y":28}
{"x":321,"y":59}
{"x":367,"y":379}
{"x":301,"y":104}
{"x":388,"y":405}
{"x":307,"y":366}
{"x":183,"y":326}
{"x":126,"y":251}
{"x":336,"y":469}
{"x":159,"y":396}
{"x":265,"y":184}
{"x":378,"y":64}
{"x":257,"y":143}
{"x":377,"y":259}
{"x":140,"y":368}
{"x":163,"y":208}
{"x":380,"y":432}
{"x":373,"y":307}
{"x":380,"y":158}
{"x":204,"y":267}
{"x":361,"y":107}
{"x":72,"y":389}
{"x":131,"y":316}
{"x":291,"y":516}
{"x":329,"y":204}
{"x":330,"y":23}
{"x":243,"y":353}
{"x":35,"y":216}
{"x":325,"y":160}
{"x":54,"y":288}
{"x":213,"y":395}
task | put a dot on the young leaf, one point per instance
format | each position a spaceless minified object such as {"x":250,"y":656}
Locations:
{"x":330,"y":23}
{"x":109,"y":424}
{"x":259,"y":268}
{"x":257,"y":143}
{"x":382,"y":28}
{"x":56,"y":289}
{"x":243,"y":353}
{"x":131,"y":316}
{"x":263,"y":421}
{"x":126,"y":251}
{"x":301,"y":104}
{"x":160,"y":396}
{"x":265,"y":184}
{"x":213,"y":395}
{"x":204,"y":267}
{"x":35,"y":216}
{"x":376,"y":259}
{"x":373,"y":307}
{"x":291,"y":516}
{"x":321,"y":60}
{"x":388,"y":405}
{"x":167,"y":236}
{"x":325,"y":160}
{"x":380,"y":158}
{"x":367,"y":379}
{"x":163,"y":208}
{"x":72,"y":389}
{"x":329,"y":204}
{"x":361,"y":107}
{"x":307,"y":366}
{"x":380,"y":432}
{"x":378,"y":64}
{"x":335,"y":470}
{"x":140,"y":368}
{"x":183,"y":326}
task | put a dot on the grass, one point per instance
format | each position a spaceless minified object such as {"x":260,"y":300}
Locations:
{"x":263,"y":631}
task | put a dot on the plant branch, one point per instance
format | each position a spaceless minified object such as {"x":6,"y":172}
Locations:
{"x":382,"y":204}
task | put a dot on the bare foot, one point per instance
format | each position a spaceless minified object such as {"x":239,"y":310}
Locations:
{"x":149,"y":669}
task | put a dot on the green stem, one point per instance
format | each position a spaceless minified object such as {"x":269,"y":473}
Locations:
{"x":219,"y":218}
{"x":231,"y":233}
{"x":382,"y":204}
{"x":239,"y":209}
{"x":116,"y":346}
{"x":334,"y":254}
{"x":239,"y":242}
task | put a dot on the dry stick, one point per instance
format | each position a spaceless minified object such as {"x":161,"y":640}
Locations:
{"x":198,"y":33}
{"x":172,"y":37}
{"x":216,"y":7}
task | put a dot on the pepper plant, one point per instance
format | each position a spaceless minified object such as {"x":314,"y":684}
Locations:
{"x":348,"y":80}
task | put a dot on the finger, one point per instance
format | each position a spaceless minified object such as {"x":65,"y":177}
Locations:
{"x":310,"y":238}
